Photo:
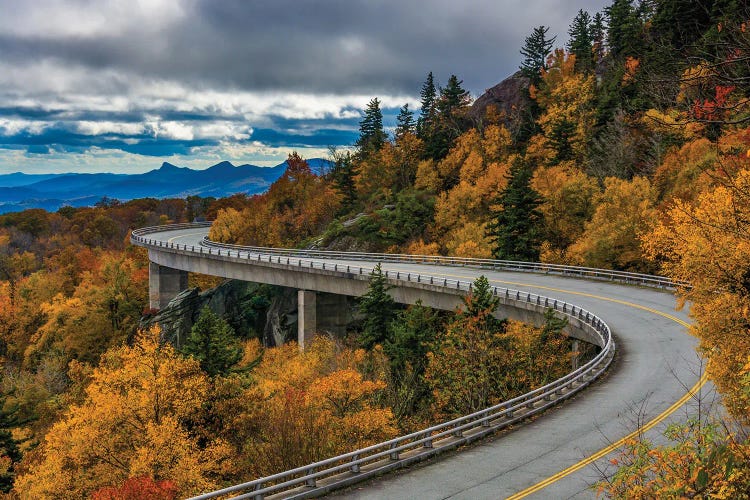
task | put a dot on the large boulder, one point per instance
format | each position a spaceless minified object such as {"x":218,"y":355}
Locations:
{"x":510,"y":98}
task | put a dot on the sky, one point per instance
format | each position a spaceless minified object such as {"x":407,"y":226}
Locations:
{"x":121,"y":86}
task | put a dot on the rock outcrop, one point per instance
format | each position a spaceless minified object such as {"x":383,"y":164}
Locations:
{"x":242,"y":304}
{"x":509,"y":97}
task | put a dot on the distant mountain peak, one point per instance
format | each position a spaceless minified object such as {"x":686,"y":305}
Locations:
{"x":168,"y":166}
{"x":222,"y":166}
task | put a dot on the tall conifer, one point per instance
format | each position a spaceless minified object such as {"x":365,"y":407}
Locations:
{"x":516,"y":230}
{"x":535,"y":50}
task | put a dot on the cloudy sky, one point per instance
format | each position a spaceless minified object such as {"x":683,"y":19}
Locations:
{"x":120,"y":86}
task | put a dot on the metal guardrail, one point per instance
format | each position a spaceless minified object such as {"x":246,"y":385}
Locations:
{"x":360,"y":464}
{"x":509,"y":265}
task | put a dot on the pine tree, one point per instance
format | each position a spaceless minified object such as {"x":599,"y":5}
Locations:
{"x":8,"y":446}
{"x":379,"y":310}
{"x":453,"y":97}
{"x":371,"y":134}
{"x":450,"y":119}
{"x":414,"y":330}
{"x":580,"y":43}
{"x":404,"y":121}
{"x":624,"y":35}
{"x":598,"y":35}
{"x":517,"y":227}
{"x":212,"y":343}
{"x":428,"y":94}
{"x":481,"y":299}
{"x":535,"y":50}
{"x":342,"y":174}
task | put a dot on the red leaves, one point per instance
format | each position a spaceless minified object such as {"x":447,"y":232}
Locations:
{"x":137,"y":488}
{"x":711,"y":109}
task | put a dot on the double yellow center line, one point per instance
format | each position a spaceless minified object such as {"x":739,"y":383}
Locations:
{"x":649,"y":425}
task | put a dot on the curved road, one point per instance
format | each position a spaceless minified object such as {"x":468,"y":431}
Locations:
{"x":655,"y":366}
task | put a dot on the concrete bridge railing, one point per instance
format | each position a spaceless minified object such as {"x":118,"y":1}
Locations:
{"x":336,"y":472}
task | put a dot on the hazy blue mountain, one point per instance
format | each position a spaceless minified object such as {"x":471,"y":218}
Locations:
{"x":21,"y":179}
{"x":50,"y":191}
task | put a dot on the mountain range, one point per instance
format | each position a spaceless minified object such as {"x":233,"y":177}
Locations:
{"x":19,"y":191}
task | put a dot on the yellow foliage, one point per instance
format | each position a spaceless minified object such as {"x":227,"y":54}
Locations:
{"x":706,"y":243}
{"x":315,"y":404}
{"x":570,"y":198}
{"x":686,"y":172}
{"x":427,"y":176}
{"x":298,"y":205}
{"x":419,"y":247}
{"x":129,"y":425}
{"x":465,"y":208}
{"x":469,"y":240}
{"x":624,"y":212}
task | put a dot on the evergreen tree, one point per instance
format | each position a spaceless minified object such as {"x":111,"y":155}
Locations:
{"x":517,"y":227}
{"x":428,"y":95}
{"x":450,"y":120}
{"x":481,"y":299}
{"x":379,"y":310}
{"x":371,"y":134}
{"x":342,"y":174}
{"x":8,"y":445}
{"x":624,"y":35}
{"x":598,"y":36}
{"x":559,"y":140}
{"x":453,"y":97}
{"x":553,"y":326}
{"x":414,"y":330}
{"x":535,"y":50}
{"x":404,"y":121}
{"x":212,"y":343}
{"x":580,"y":43}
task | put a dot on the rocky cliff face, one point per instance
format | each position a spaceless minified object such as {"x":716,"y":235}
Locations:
{"x":509,"y":97}
{"x":244,"y":305}
{"x":253,"y":310}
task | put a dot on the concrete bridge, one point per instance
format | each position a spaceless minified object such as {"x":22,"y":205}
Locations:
{"x":557,"y":456}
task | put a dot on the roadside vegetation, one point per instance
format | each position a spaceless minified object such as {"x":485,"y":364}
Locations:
{"x":628,"y":149}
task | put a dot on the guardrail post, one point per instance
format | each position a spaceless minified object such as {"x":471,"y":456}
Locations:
{"x":259,"y":496}
{"x":394,"y":454}
{"x":355,"y":466}
{"x":310,"y":482}
{"x":428,"y":443}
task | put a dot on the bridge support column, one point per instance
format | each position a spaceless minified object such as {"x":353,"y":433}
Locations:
{"x":306,"y":317}
{"x":576,"y":348}
{"x":164,"y":283}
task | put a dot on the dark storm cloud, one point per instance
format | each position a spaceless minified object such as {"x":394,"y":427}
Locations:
{"x":237,"y":77}
{"x":353,"y":46}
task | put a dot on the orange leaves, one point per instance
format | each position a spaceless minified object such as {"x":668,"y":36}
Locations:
{"x":610,"y":239}
{"x":699,"y":461}
{"x":138,"y":488}
{"x":315,"y":404}
{"x":631,"y":68}
{"x":298,"y":205}
{"x":713,"y":109}
{"x":707,"y":244}
{"x":130,"y":424}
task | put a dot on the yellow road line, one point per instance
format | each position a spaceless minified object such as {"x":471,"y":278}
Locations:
{"x":649,"y":425}
{"x":582,"y":294}
{"x":604,"y":451}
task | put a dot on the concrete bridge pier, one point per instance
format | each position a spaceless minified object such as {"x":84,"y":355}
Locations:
{"x":321,"y":312}
{"x":307,"y":317}
{"x":164,"y":283}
